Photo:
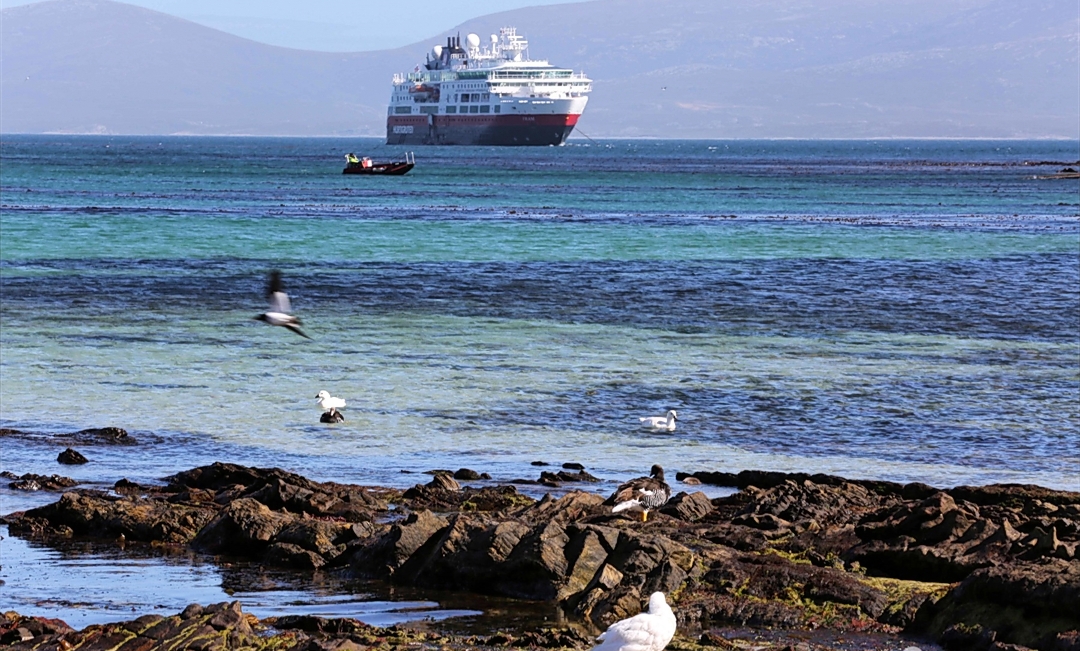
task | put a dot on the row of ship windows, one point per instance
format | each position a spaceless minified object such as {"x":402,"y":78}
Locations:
{"x":465,"y":97}
{"x":434,"y":110}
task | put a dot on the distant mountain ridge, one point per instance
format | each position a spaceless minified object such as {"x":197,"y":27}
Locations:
{"x":677,"y":69}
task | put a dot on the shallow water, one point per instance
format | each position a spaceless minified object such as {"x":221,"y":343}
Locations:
{"x":901,"y":310}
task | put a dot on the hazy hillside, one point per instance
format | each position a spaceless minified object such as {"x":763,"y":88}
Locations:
{"x":679,"y":68}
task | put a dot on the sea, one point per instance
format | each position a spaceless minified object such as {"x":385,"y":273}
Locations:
{"x":904,"y":310}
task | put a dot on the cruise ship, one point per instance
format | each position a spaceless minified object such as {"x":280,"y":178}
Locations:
{"x":493,"y":95}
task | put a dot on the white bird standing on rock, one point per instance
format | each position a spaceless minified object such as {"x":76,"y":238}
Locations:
{"x":660,"y":423}
{"x":647,"y":631}
{"x":329,"y":403}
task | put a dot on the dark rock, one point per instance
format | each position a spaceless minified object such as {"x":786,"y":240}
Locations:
{"x":1025,"y":603}
{"x":92,"y":513}
{"x":769,"y":479}
{"x":688,"y":506}
{"x":962,"y":637}
{"x":71,"y":457}
{"x":493,"y":498}
{"x":312,"y":624}
{"x":765,"y":556}
{"x":126,"y":487}
{"x":245,"y":526}
{"x":540,"y":463}
{"x":383,"y":555}
{"x":564,"y":476}
{"x":108,"y":435}
{"x":443,"y":482}
{"x":1065,"y":641}
{"x":826,"y":504}
{"x":573,"y":466}
{"x":738,"y":537}
{"x":18,"y":628}
{"x":218,"y":627}
{"x":441,"y":493}
{"x":319,"y":536}
{"x":279,"y":489}
{"x":769,"y":590}
{"x":573,"y":506}
{"x":766,"y":522}
{"x":290,"y":555}
{"x":466,"y":474}
{"x":32,"y":482}
{"x":711,"y":478}
{"x":941,"y":539}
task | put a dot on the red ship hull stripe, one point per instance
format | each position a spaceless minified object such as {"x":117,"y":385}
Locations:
{"x":484,"y":120}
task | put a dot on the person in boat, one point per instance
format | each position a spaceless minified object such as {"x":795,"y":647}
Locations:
{"x":365,"y":162}
{"x":351,"y":158}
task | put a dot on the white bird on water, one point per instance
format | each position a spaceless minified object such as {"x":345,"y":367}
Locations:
{"x":660,"y":423}
{"x":647,"y":631}
{"x":329,"y":403}
{"x":280,"y":311}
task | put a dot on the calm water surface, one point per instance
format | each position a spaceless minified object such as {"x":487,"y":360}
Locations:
{"x":902,"y":310}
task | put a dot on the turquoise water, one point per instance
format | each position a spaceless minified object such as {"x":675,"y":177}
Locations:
{"x":901,"y":310}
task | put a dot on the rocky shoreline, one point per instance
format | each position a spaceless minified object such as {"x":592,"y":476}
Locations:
{"x":969,"y":568}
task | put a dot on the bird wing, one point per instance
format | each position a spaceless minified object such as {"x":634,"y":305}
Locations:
{"x":279,"y":302}
{"x":295,"y":328}
{"x":275,"y":284}
{"x":628,"y":491}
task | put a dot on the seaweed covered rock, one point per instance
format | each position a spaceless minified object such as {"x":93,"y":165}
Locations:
{"x":217,"y":627}
{"x":994,"y":565}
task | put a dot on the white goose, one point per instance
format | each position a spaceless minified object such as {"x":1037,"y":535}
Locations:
{"x":329,"y":403}
{"x":660,"y":423}
{"x":647,"y":631}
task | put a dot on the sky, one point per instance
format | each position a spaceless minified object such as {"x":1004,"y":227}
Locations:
{"x":329,"y":25}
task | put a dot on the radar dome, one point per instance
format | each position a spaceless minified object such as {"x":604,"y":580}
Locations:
{"x":436,"y":52}
{"x":494,"y":39}
{"x":473,"y":40}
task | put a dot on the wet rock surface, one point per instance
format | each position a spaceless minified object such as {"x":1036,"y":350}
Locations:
{"x":32,"y":482}
{"x":92,"y":436}
{"x":225,"y":626}
{"x":970,"y":567}
{"x":71,"y":457}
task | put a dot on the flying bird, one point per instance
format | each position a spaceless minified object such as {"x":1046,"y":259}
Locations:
{"x":660,"y":423}
{"x":645,"y":493}
{"x":329,"y":403}
{"x":280,"y":311}
{"x":647,"y":631}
